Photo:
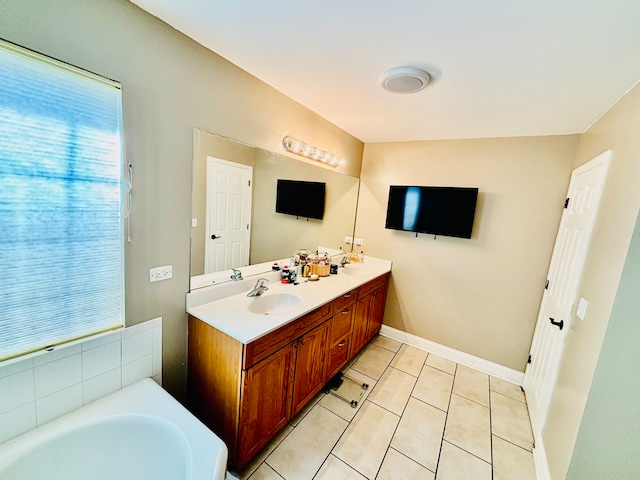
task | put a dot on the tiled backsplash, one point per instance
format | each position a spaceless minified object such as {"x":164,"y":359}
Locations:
{"x":47,"y":385}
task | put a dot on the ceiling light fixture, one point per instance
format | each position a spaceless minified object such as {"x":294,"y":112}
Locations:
{"x":404,"y":80}
{"x":311,"y":152}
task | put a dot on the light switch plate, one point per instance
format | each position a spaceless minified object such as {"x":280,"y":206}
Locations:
{"x":194,"y":222}
{"x":582,"y":308}
{"x":357,"y":241}
{"x":348,"y":240}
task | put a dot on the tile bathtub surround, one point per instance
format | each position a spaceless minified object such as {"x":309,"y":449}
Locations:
{"x":49,"y":384}
{"x":422,"y":417}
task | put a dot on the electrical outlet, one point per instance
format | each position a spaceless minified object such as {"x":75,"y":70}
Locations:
{"x":357,"y":241}
{"x":348,"y":240}
{"x":194,"y":222}
{"x":160,"y":273}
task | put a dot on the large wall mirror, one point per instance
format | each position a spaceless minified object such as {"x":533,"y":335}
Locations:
{"x":272,"y":235}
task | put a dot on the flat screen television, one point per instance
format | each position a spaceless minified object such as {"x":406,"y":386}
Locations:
{"x":300,"y":198}
{"x":447,"y":211}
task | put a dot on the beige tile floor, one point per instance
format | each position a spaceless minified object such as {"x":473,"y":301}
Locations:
{"x":423,"y":417}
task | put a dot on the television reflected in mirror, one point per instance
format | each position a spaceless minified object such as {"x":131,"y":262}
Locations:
{"x":273,"y":235}
{"x":447,"y":211}
{"x":300,"y":198}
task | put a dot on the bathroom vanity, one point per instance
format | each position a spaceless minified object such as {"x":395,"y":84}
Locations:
{"x":249,"y":372}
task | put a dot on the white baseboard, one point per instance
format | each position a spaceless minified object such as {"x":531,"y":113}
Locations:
{"x":485,"y":366}
{"x":540,"y":460}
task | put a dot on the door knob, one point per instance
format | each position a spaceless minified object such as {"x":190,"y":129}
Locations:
{"x":559,"y":324}
{"x":214,"y":236}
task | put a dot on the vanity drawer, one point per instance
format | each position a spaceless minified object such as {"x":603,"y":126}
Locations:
{"x":345,"y":299}
{"x":338,"y":356}
{"x":265,"y":346}
{"x":341,"y":322}
{"x":369,"y":287}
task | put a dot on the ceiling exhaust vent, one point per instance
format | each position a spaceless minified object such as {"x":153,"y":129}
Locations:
{"x":404,"y":80}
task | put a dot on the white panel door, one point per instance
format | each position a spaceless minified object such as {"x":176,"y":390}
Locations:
{"x":559,"y":297}
{"x":228,"y":215}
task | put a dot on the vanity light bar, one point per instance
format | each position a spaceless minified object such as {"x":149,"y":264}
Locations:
{"x":312,"y":152}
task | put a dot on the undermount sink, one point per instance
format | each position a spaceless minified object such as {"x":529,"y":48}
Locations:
{"x":352,"y":270}
{"x":273,"y":304}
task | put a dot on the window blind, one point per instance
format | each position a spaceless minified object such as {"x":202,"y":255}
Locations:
{"x":61,"y":228}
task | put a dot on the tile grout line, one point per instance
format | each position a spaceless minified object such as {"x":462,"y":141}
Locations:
{"x":337,"y":441}
{"x":351,"y":364}
{"x":446,"y":418}
{"x":459,"y":447}
{"x":386,"y":452}
{"x":509,"y":398}
{"x":393,"y":413}
{"x":265,"y":460}
{"x":491,"y":428}
{"x":446,"y":413}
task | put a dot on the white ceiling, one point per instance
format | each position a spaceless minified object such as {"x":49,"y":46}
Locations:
{"x":499,"y":68}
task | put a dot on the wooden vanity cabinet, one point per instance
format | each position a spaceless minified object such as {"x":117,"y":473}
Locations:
{"x":369,"y":312}
{"x":246,"y":393}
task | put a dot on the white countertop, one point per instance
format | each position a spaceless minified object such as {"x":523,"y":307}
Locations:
{"x":230,"y":314}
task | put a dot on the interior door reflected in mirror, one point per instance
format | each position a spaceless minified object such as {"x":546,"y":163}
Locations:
{"x":233,"y":206}
{"x":228,"y":215}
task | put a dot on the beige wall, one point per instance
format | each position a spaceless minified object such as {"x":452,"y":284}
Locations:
{"x":170,"y":85}
{"x":617,"y":130}
{"x":479,"y":296}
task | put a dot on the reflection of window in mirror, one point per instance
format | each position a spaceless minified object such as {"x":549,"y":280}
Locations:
{"x":272,"y":235}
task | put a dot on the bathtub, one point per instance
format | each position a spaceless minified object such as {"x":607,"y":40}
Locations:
{"x":137,"y":433}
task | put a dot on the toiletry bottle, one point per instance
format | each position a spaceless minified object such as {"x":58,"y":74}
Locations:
{"x":275,"y":267}
{"x":285,"y":274}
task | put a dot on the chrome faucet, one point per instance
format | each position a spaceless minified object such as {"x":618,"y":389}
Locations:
{"x":344,"y":261}
{"x":259,"y":289}
{"x":237,"y":275}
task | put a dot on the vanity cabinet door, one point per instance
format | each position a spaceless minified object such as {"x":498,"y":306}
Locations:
{"x":266,"y":401}
{"x":311,"y":365}
{"x":377,"y":311}
{"x":369,"y":312}
{"x":361,"y":324}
